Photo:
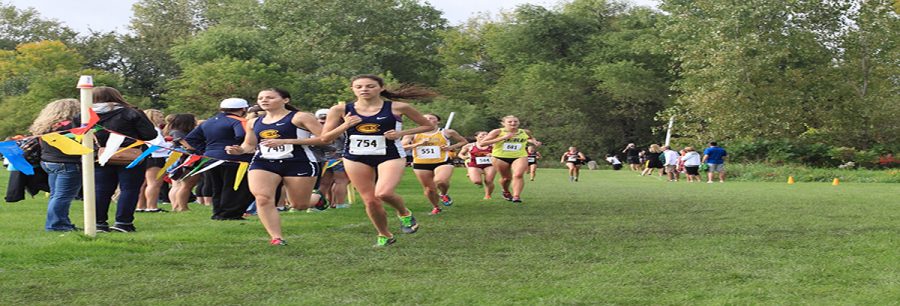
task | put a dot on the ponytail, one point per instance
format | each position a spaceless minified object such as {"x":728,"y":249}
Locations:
{"x":403,"y":92}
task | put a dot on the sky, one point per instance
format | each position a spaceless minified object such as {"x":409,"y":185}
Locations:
{"x":114,"y":15}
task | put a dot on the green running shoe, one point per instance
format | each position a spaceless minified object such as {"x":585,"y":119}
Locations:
{"x":408,"y":224}
{"x":384,"y":241}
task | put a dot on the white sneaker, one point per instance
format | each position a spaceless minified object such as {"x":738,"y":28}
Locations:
{"x":342,"y":206}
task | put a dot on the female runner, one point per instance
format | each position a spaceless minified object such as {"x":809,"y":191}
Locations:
{"x":373,"y":145}
{"x":509,"y":155}
{"x":481,"y":171}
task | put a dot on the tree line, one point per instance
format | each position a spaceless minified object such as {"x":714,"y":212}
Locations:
{"x":814,"y":77}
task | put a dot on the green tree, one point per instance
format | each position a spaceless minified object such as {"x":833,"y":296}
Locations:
{"x":202,"y":86}
{"x":325,"y":37}
{"x":23,"y":26}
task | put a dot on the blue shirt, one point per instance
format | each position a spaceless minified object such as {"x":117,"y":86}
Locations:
{"x":715,"y":155}
{"x":216,"y":133}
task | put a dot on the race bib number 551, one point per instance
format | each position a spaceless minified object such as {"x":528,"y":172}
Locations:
{"x":428,"y":152}
{"x":367,"y":145}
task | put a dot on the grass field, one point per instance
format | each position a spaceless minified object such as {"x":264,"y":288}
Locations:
{"x":613,"y":238}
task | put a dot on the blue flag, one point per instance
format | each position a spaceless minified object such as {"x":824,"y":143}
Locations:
{"x":16,"y":157}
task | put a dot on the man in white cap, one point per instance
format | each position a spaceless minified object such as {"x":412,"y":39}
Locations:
{"x":210,"y":138}
{"x":334,"y":181}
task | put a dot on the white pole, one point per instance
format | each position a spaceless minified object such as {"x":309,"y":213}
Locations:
{"x":449,"y":120}
{"x":669,"y":131}
{"x":86,"y":84}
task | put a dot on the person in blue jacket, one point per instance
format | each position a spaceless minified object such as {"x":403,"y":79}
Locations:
{"x":210,"y":138}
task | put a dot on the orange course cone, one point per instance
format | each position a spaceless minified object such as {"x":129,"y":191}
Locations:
{"x":835,"y":182}
{"x":790,"y":180}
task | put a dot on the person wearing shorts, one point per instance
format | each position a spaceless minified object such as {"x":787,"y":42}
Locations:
{"x":431,"y":153}
{"x":373,"y":126}
{"x":334,"y":181}
{"x":478,"y":167}
{"x":509,"y":155}
{"x":632,"y":157}
{"x":533,"y":157}
{"x":691,"y":164}
{"x":714,"y":157}
{"x":281,"y":140}
{"x":573,"y":160}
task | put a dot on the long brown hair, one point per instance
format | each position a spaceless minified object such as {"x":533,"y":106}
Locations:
{"x":404,"y":91}
{"x":104,"y":94}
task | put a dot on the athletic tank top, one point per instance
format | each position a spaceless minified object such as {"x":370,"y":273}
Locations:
{"x":572,"y":157}
{"x":367,"y":137}
{"x":430,"y":152}
{"x":282,"y":129}
{"x":513,"y":147}
{"x":532,"y":157}
{"x":479,"y":157}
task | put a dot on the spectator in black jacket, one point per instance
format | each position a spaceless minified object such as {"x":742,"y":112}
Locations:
{"x":64,"y":171}
{"x":123,"y":118}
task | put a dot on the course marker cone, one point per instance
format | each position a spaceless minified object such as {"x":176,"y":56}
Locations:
{"x":835,"y":182}
{"x":790,"y":180}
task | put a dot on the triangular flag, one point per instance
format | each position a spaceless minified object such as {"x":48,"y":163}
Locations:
{"x":171,"y":160}
{"x":213,"y":165}
{"x":142,"y":156}
{"x":111,"y":147}
{"x":65,"y":145}
{"x":91,"y":122}
{"x":135,"y":144}
{"x":190,"y":160}
{"x":11,"y":151}
{"x":199,"y":165}
{"x":242,"y":169}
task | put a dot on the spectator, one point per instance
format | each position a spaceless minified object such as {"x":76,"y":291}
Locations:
{"x":714,"y":157}
{"x":632,"y":156}
{"x":614,"y":161}
{"x":671,"y":163}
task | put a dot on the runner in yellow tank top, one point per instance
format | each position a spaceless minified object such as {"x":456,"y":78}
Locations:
{"x":431,"y":151}
{"x":509,"y":155}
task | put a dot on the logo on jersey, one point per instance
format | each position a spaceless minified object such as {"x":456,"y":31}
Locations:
{"x":269,"y":134}
{"x":368,"y":128}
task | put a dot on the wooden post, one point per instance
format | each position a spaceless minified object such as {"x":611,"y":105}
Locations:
{"x":86,"y":85}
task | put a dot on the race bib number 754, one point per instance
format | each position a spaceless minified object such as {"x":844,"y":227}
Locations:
{"x":367,"y":145}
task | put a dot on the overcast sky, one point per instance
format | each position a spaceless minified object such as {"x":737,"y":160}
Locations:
{"x":108,"y":15}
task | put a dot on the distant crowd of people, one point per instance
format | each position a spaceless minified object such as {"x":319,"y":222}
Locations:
{"x":672,"y":164}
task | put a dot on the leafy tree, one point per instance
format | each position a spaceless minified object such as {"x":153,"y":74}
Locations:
{"x":202,"y":86}
{"x":325,"y":37}
{"x":23,"y":26}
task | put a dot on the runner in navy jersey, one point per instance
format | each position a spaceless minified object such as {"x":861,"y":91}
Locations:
{"x":281,"y":141}
{"x":373,"y":145}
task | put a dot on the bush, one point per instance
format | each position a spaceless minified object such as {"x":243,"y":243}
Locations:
{"x":769,"y":173}
{"x":782,"y":152}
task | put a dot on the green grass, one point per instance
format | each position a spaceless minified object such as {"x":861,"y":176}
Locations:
{"x":613,"y":238}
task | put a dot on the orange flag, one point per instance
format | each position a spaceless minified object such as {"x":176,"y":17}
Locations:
{"x":91,"y":122}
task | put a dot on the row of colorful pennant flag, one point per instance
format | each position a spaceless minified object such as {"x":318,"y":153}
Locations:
{"x":70,"y":144}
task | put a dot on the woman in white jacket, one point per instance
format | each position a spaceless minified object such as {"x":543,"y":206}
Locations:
{"x":692,"y":164}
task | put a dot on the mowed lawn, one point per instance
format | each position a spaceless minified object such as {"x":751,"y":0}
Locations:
{"x":612,"y":238}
